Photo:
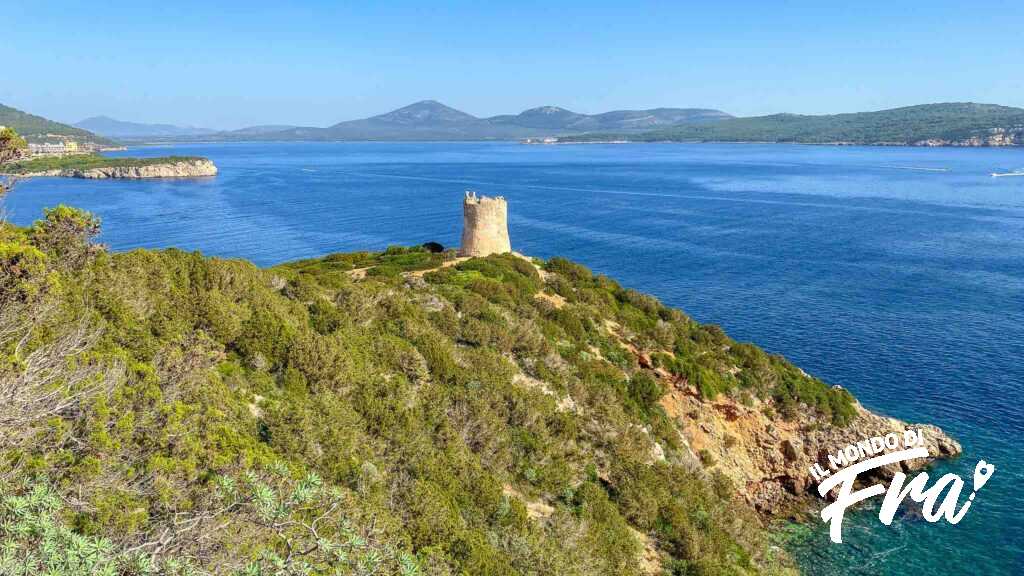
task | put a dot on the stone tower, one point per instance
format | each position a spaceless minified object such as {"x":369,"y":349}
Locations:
{"x":484,"y":226}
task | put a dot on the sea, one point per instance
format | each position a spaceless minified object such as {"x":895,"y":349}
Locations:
{"x":896,"y":272}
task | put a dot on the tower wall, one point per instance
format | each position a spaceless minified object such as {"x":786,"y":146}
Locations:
{"x":484,"y":226}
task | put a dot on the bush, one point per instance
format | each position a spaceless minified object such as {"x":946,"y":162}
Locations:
{"x":22,"y":272}
{"x":35,"y":540}
{"x":645,"y":391}
{"x":706,"y":459}
{"x":66,"y":233}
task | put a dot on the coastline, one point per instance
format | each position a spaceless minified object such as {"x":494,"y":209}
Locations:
{"x":172,"y":143}
{"x":99,"y":168}
{"x":836,"y":144}
{"x":888,"y":407}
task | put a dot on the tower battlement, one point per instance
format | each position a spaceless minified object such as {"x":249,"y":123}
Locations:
{"x":484,"y":226}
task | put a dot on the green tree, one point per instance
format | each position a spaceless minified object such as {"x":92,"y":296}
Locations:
{"x":67,"y":233}
{"x":12,"y":146}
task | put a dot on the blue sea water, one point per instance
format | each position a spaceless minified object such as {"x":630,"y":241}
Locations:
{"x":896,"y":272}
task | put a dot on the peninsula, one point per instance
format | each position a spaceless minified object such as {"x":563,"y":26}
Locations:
{"x":95,"y":166}
{"x":420,"y":410}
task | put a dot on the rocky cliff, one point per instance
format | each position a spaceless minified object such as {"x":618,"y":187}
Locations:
{"x":179,"y":169}
{"x":766,"y":455}
{"x":993,"y":137}
{"x":763,"y":447}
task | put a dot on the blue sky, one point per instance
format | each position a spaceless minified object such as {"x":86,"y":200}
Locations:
{"x":232,"y":64}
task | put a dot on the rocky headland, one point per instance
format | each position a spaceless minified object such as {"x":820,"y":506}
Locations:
{"x":768,"y":457}
{"x":429,"y":403}
{"x":765,"y":449}
{"x":178,"y":169}
{"x":94,"y":166}
{"x":766,"y":454}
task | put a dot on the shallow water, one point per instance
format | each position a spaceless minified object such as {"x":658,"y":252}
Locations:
{"x":896,"y":272}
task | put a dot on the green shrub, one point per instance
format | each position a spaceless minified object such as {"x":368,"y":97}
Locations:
{"x":397,"y":410}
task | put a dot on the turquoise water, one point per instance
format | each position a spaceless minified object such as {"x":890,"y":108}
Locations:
{"x":896,"y":272}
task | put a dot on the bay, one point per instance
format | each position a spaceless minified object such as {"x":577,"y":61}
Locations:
{"x":895,"y":272}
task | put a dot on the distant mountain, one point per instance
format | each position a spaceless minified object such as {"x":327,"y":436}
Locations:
{"x":426,"y":120}
{"x":37,"y":129}
{"x":420,"y":114}
{"x":555,"y":118}
{"x":263,"y":129}
{"x":946,"y":124}
{"x":119,"y":129}
{"x":543,"y":117}
{"x":432,"y":120}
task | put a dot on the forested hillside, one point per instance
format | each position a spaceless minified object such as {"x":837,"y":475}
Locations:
{"x":958,"y":124}
{"x":36,"y":128}
{"x":369,"y":413}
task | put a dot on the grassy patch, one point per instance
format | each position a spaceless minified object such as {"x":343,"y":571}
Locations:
{"x":391,"y":262}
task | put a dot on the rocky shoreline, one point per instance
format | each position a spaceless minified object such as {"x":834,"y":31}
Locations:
{"x":196,"y":168}
{"x":768,"y":457}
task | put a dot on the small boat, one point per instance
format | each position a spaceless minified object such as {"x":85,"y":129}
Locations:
{"x":1002,"y":174}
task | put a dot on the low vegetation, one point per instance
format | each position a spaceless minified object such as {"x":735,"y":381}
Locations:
{"x":170,"y":413}
{"x":85,"y":162}
{"x":391,"y":262}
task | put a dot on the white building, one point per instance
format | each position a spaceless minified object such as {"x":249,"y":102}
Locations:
{"x":46,"y":148}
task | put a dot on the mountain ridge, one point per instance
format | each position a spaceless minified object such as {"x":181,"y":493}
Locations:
{"x":433,"y":120}
{"x":938,"y":124}
{"x":429,"y":119}
{"x":113,"y":128}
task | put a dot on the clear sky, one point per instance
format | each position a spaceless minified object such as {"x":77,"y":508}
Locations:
{"x":226,"y":64}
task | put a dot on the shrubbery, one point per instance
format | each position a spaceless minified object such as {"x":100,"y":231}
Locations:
{"x":302,"y":420}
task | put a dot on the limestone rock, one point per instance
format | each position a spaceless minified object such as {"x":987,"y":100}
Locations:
{"x":769,"y":457}
{"x":791,"y":448}
{"x":179,"y":169}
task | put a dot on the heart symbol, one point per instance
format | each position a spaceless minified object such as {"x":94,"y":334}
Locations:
{"x":982,"y":472}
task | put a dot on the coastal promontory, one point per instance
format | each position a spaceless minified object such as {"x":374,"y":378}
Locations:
{"x":482,"y":413}
{"x":94,"y":166}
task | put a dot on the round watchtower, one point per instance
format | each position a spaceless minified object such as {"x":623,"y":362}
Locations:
{"x":484,"y":226}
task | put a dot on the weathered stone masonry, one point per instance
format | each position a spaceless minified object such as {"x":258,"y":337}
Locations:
{"x":484,"y":226}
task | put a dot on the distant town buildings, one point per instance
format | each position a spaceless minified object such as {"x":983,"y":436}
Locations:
{"x":57,"y":148}
{"x":46,"y":148}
